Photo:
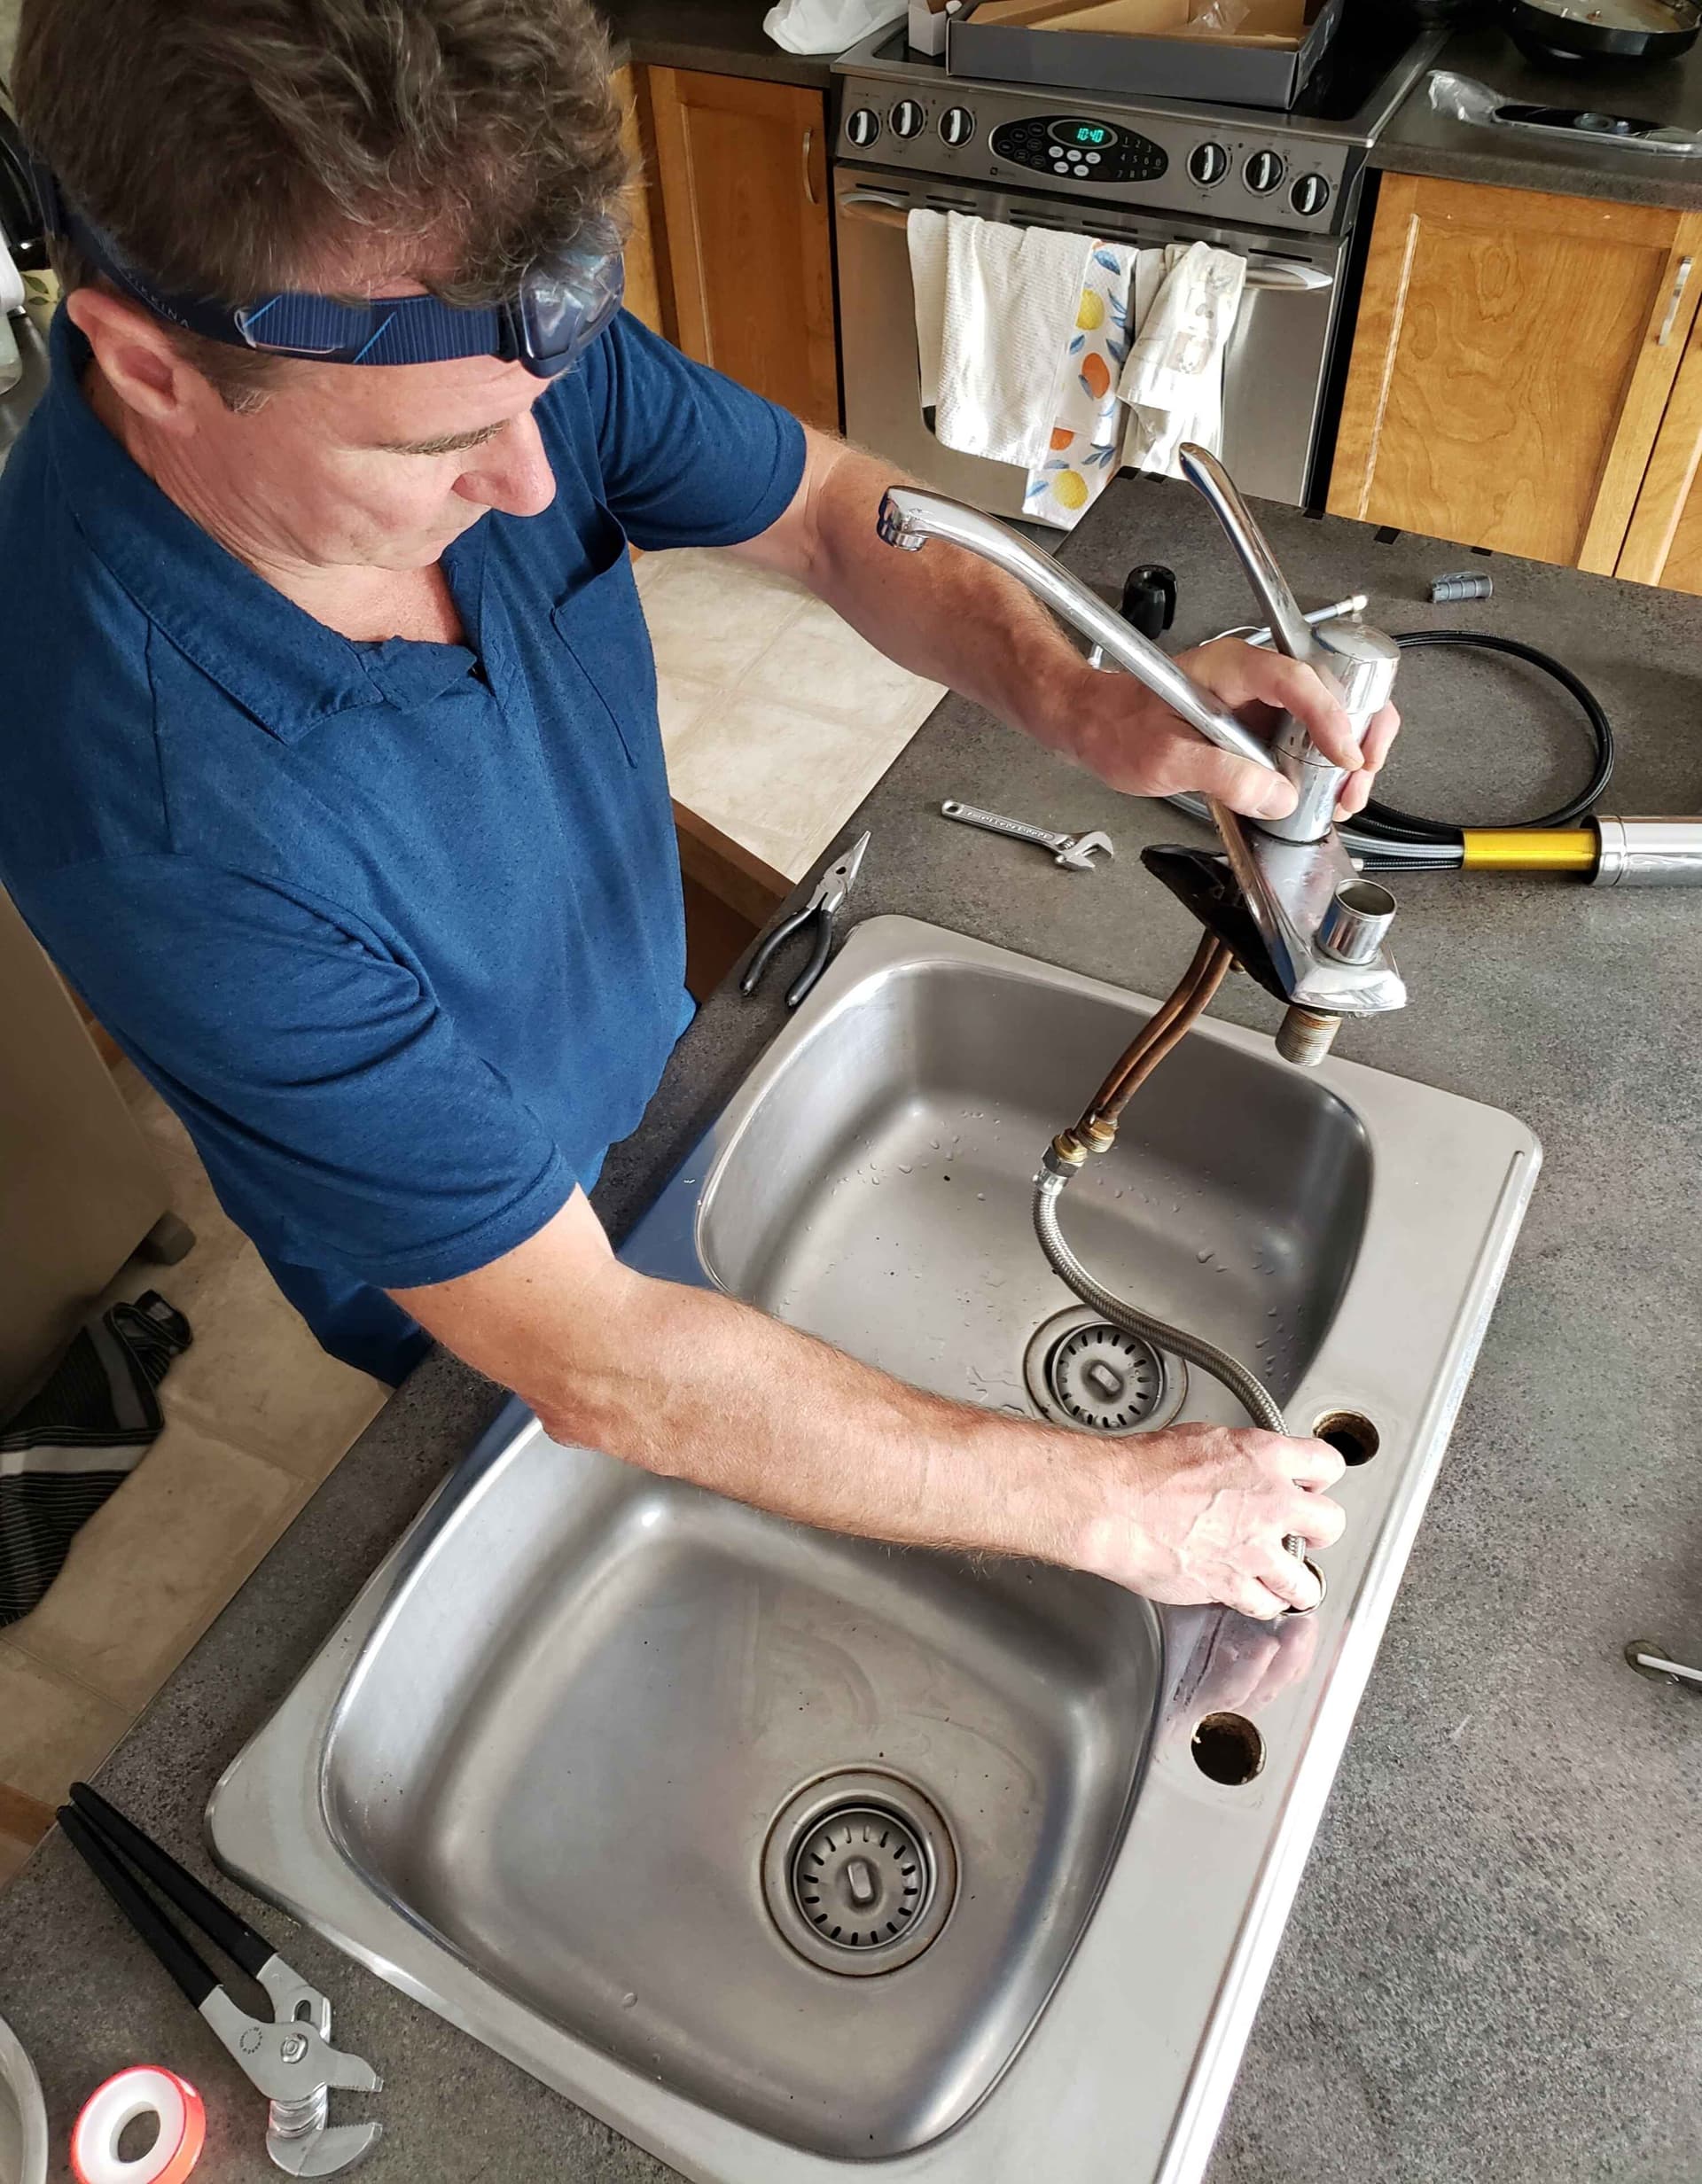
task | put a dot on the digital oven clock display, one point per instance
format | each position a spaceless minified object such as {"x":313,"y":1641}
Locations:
{"x":1090,"y":136}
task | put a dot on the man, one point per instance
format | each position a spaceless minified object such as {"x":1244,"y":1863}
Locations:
{"x":332,"y":775}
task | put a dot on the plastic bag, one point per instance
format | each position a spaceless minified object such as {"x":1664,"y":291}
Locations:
{"x":827,"y":26}
{"x":1462,"y":98}
{"x":1220,"y":16}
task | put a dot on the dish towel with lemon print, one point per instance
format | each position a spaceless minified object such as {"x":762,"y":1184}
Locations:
{"x":1085,"y":439}
{"x":1136,"y":397}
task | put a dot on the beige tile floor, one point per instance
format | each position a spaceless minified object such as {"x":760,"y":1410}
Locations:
{"x":256,"y":1415}
{"x":777,"y":717}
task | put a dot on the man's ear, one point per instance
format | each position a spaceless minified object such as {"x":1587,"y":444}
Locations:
{"x":138,"y":358}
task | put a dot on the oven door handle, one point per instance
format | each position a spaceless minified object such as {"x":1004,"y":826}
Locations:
{"x":1292,"y":275}
{"x":878,"y":198}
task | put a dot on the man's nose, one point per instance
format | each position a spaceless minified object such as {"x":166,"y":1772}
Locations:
{"x":512,"y":472}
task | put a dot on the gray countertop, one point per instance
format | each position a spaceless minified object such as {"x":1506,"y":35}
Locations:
{"x":724,"y":37}
{"x":1419,"y":141}
{"x":1493,"y":1970}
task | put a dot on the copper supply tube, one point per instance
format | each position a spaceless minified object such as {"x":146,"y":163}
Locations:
{"x":1162,"y":1032}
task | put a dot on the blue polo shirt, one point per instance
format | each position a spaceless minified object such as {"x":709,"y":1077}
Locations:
{"x":396,"y":928}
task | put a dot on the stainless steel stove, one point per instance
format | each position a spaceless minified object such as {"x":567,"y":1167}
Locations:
{"x":1283,"y":189}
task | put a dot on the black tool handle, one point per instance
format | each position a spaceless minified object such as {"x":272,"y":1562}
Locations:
{"x":764,"y":955}
{"x":1150,"y":598}
{"x":817,"y":963}
{"x":139,"y":1908}
{"x":216,"y":1920}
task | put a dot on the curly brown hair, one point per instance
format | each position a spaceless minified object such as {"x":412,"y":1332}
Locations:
{"x":232,"y":148}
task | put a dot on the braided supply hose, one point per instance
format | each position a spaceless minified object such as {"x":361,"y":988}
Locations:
{"x":1095,"y":1132}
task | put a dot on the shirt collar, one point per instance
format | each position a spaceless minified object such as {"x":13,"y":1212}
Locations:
{"x":271,"y":655}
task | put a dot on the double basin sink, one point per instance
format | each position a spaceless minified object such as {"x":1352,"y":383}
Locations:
{"x":781,"y":1850}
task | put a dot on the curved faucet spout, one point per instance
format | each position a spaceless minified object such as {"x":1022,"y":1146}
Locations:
{"x":910,"y":516}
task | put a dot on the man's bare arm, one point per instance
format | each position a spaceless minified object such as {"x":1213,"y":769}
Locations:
{"x":948,"y":614}
{"x":693,"y":1385}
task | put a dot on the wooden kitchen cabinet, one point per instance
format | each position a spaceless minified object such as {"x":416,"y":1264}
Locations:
{"x":1512,"y":359}
{"x":1664,"y":544}
{"x":650,"y":296}
{"x":743,"y":169}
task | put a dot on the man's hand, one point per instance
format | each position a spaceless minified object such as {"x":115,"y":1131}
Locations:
{"x":1200,"y":1514}
{"x":691,"y":1385}
{"x":1133,"y":740}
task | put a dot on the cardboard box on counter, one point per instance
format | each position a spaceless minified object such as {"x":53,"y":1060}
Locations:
{"x":1248,"y":52}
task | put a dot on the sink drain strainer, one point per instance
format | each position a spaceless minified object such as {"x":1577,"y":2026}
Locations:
{"x":1082,"y":1371}
{"x":859,"y":1872}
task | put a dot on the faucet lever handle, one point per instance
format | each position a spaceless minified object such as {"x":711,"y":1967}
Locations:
{"x":1290,"y":631}
{"x":1356,"y":662}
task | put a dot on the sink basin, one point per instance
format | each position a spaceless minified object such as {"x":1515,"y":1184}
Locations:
{"x":880,"y":1193}
{"x":780,"y":1850}
{"x":627,"y":1679}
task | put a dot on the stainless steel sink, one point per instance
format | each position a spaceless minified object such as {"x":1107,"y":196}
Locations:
{"x":781,"y":1850}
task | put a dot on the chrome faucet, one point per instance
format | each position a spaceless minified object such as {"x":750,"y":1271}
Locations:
{"x":1295,"y":911}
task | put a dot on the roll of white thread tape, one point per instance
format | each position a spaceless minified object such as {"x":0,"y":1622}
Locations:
{"x":112,"y":2107}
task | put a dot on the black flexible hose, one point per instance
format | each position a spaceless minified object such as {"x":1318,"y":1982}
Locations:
{"x":1410,"y":828}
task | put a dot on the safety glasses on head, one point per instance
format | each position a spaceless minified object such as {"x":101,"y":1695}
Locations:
{"x":559,"y":308}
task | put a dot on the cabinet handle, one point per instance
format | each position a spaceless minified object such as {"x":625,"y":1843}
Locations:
{"x":1681,"y":282}
{"x":809,"y":187}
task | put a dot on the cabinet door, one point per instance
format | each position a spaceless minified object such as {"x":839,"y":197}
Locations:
{"x":1512,"y":357}
{"x":743,"y":175}
{"x":1664,"y":545}
{"x":649,"y":296}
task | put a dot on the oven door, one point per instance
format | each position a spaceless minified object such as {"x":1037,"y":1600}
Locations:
{"x":1273,"y":377}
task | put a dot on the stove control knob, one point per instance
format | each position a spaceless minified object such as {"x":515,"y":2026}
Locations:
{"x":907,"y":118}
{"x":863,"y":126}
{"x":1309,"y":196}
{"x":957,"y":125}
{"x":1263,"y":172}
{"x":1208,"y":163}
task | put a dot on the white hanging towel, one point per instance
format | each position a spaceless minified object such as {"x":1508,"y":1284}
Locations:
{"x":1174,"y":380}
{"x":1006,"y":301}
{"x":925,"y":233}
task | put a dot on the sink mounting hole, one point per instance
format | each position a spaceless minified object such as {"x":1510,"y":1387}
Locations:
{"x":1229,"y":1749}
{"x":1350,"y":1434}
{"x":859,"y":1872}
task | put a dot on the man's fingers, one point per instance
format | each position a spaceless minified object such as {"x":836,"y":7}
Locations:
{"x":1319,"y":1521}
{"x":1293,"y":1584}
{"x":1248,"y":1596}
{"x":1244,"y":787}
{"x":1380,"y":738}
{"x":1314,"y":1463}
{"x":1273,"y":679}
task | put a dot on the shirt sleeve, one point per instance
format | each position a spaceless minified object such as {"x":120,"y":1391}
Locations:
{"x":342,"y":1118}
{"x":690,"y":457}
